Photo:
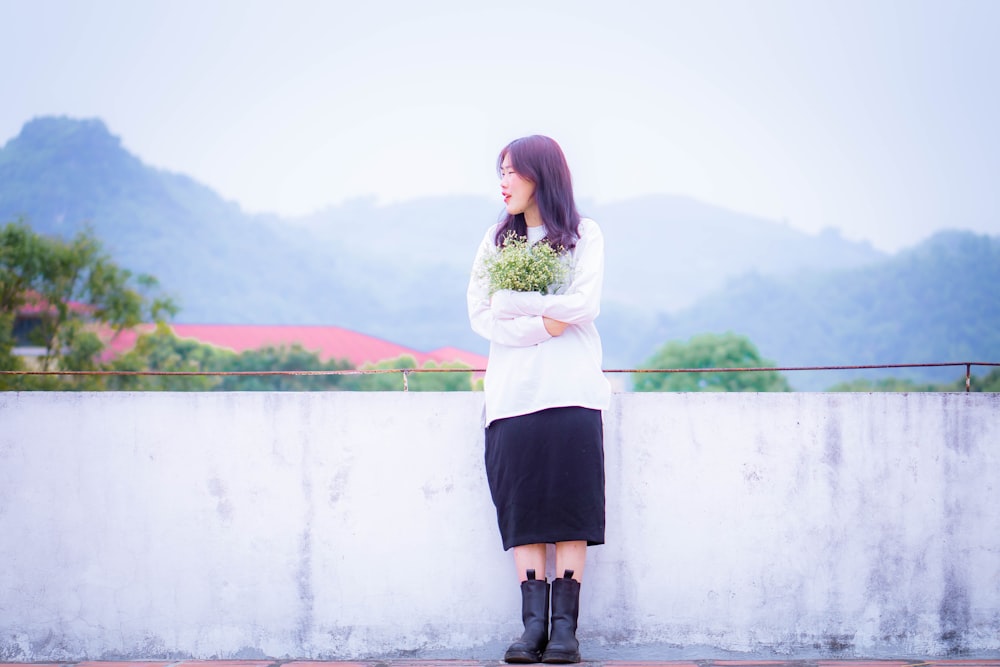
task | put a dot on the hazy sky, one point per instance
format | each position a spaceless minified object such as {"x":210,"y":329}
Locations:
{"x":880,"y":118}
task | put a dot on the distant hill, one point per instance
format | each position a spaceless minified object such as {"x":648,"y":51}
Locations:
{"x":399,"y":271}
{"x":224,"y":265}
{"x":668,"y":252}
{"x":937,"y":302}
{"x":663,"y":252}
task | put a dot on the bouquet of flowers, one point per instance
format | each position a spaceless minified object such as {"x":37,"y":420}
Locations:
{"x":526,"y":267}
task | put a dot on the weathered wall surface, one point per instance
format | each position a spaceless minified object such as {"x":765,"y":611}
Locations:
{"x":341,"y":525}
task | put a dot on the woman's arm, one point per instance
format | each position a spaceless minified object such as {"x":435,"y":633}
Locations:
{"x":511,"y":330}
{"x":581,"y":302}
{"x":554,"y":327}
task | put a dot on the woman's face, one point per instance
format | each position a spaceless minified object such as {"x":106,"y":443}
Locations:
{"x":518,"y":192}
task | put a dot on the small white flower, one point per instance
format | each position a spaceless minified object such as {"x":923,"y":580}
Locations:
{"x":524,"y":267}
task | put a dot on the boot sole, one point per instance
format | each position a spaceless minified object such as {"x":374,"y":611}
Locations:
{"x":561,"y":658}
{"x":519,"y":658}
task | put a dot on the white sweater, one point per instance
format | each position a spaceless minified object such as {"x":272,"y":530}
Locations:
{"x":529,"y":370}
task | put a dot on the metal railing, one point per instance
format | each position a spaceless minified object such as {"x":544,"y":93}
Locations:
{"x":406,"y":372}
{"x":968,"y":368}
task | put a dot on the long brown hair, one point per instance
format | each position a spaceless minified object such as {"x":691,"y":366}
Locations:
{"x":540,"y":160}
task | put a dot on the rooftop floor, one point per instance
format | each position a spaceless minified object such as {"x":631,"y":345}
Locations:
{"x":930,"y":662}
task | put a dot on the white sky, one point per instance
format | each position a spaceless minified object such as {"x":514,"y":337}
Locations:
{"x":880,"y":118}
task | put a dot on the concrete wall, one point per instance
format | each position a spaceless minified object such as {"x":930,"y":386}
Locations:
{"x":347,"y":525}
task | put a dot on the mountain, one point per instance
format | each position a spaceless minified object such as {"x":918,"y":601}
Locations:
{"x":223,"y":265}
{"x":936,"y":302}
{"x":668,"y":252}
{"x":399,"y":271}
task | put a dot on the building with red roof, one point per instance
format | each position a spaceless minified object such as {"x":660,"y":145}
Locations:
{"x":328,"y":342}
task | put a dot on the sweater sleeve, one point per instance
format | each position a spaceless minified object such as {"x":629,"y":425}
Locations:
{"x":513,"y":330}
{"x":581,"y":302}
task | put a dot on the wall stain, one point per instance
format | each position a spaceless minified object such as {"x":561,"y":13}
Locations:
{"x":836,"y":643}
{"x":10,"y":651}
{"x":222,"y":505}
{"x":304,"y":573}
{"x":430,"y":490}
{"x":833,"y":446}
{"x":303,"y":581}
{"x":954,"y":613}
{"x":337,"y":484}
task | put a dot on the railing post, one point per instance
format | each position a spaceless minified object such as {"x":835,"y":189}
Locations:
{"x":968,"y":377}
{"x":406,"y":381}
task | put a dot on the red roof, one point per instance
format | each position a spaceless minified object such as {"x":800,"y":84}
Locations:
{"x":36,"y":304}
{"x":327,"y":341}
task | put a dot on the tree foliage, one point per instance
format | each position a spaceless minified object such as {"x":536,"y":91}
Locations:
{"x":73,"y":291}
{"x":989,"y":382}
{"x":709,"y":351}
{"x":442,"y":381}
{"x":985,"y":383}
{"x":281,"y":358}
{"x":892,"y":384}
{"x":161,"y":350}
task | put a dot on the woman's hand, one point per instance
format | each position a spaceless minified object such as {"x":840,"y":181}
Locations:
{"x":554,"y":327}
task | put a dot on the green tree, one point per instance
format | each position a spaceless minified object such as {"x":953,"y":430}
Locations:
{"x":709,"y":351}
{"x":161,"y":350}
{"x":383,"y":381}
{"x":75,"y":290}
{"x":987,"y":383}
{"x":415,"y":381}
{"x":281,"y":358}
{"x":441,"y":381}
{"x":889,"y":385}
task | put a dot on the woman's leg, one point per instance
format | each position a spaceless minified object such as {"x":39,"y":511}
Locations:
{"x":530,"y":557}
{"x":562,"y":646}
{"x":571,"y":556}
{"x":530,"y":562}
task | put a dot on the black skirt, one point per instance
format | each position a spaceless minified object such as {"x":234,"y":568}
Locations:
{"x":546,"y":476}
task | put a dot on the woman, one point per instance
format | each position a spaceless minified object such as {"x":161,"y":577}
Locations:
{"x":544,"y":395}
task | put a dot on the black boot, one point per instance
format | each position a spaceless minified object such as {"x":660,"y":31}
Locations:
{"x":563,"y":647}
{"x":535,"y":615}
